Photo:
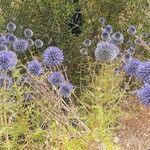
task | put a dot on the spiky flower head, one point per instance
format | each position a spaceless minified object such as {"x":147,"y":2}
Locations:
{"x":106,"y":52}
{"x":138,"y":41}
{"x":20,"y":46}
{"x":38,"y":43}
{"x":30,"y":42}
{"x":84,"y":51}
{"x":2,"y":39}
{"x":105,"y":35}
{"x":132,"y":30}
{"x":56,"y":78}
{"x":126,"y":57}
{"x":66,"y":89}
{"x":130,"y":43}
{"x":7,"y":35}
{"x":11,"y":26}
{"x":3,"y":47}
{"x":53,"y":56}
{"x":144,"y":94}
{"x":87,"y":42}
{"x":28,"y":33}
{"x":131,"y":66}
{"x":102,"y":20}
{"x":143,"y":72}
{"x":117,"y":38}
{"x":108,"y":28}
{"x":35,"y":68}
{"x":12,"y":38}
{"x":8,"y":60}
{"x":5,"y":81}
{"x":131,"y":50}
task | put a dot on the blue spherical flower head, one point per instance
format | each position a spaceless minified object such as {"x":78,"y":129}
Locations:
{"x":35,"y":68}
{"x":38,"y":43}
{"x":2,"y":39}
{"x":30,"y":42}
{"x":5,"y":81}
{"x":126,"y":57}
{"x":106,"y":52}
{"x":53,"y":56}
{"x":131,"y":50}
{"x":3,"y":47}
{"x":84,"y":51}
{"x":8,"y":60}
{"x":108,"y":29}
{"x":143,"y":72}
{"x":66,"y":89}
{"x":102,"y":20}
{"x":138,"y":41}
{"x":132,"y":30}
{"x":7,"y":35}
{"x":20,"y":46}
{"x":11,"y":26}
{"x":144,"y":95}
{"x":12,"y":38}
{"x":105,"y":35}
{"x":117,"y":38}
{"x":28,"y":33}
{"x":130,"y":43}
{"x":131,"y":66}
{"x":56,"y":78}
{"x":87,"y":42}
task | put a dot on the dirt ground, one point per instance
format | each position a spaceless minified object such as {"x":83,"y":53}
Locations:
{"x":135,"y":132}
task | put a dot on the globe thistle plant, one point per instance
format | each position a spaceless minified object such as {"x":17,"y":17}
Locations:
{"x":38,"y":43}
{"x":11,"y":26}
{"x":20,"y":46}
{"x":56,"y":78}
{"x":117,"y":38}
{"x":2,"y":39}
{"x":102,"y":20}
{"x":143,"y":72}
{"x":30,"y":42}
{"x":3,"y":47}
{"x":144,"y":94}
{"x":87,"y":42}
{"x":132,"y":30}
{"x":108,"y":29}
{"x":53,"y":56}
{"x":66,"y":89}
{"x":12,"y":38}
{"x":105,"y":35}
{"x":35,"y":68}
{"x":126,"y":57}
{"x":138,"y":41}
{"x":8,"y":60}
{"x":28,"y":33}
{"x":131,"y":66}
{"x":131,"y":50}
{"x":5,"y":81}
{"x":130,"y":43}
{"x":106,"y":52}
{"x":84,"y":51}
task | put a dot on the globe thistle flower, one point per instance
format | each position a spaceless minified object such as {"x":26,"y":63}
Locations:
{"x":105,"y":35}
{"x":102,"y":20}
{"x":5,"y":80}
{"x":126,"y":57}
{"x":38,"y":43}
{"x":6,"y":43}
{"x":87,"y":42}
{"x":131,"y":66}
{"x":3,"y":47}
{"x":84,"y":51}
{"x":8,"y":60}
{"x":30,"y":42}
{"x":66,"y":89}
{"x":20,"y":46}
{"x":2,"y":39}
{"x":56,"y":78}
{"x":144,"y":94}
{"x":132,"y":30}
{"x":35,"y":67}
{"x":131,"y":50}
{"x":28,"y":33}
{"x":109,"y":29}
{"x":129,"y":43}
{"x":143,"y":72}
{"x":106,"y":52}
{"x":12,"y":38}
{"x":117,"y":38}
{"x":11,"y":26}
{"x":138,"y":41}
{"x":7,"y":35}
{"x":53,"y":56}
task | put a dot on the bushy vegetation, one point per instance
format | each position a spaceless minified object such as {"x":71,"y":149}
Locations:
{"x":62,"y":86}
